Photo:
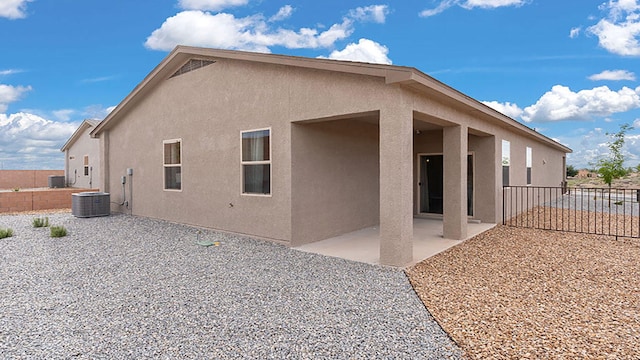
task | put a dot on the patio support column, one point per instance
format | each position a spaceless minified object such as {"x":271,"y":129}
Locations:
{"x":455,"y":143}
{"x":487,"y":172}
{"x":396,"y":180}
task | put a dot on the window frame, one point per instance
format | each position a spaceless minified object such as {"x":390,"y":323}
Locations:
{"x":529,"y":164}
{"x":506,"y":176}
{"x":165,"y":166}
{"x":257,"y":162}
{"x":85,"y":165}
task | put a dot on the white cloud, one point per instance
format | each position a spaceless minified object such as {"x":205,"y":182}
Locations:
{"x":98,"y":79}
{"x":471,"y":4}
{"x":97,"y":111}
{"x":204,"y":29}
{"x":636,"y":123}
{"x":511,"y":110}
{"x":8,"y":72}
{"x":32,"y":142}
{"x":375,"y":13}
{"x":490,"y":4}
{"x":252,"y":33}
{"x":212,"y":5}
{"x":614,"y":75}
{"x":618,"y":32}
{"x":284,"y":13}
{"x":9,"y":94}
{"x":586,"y":145}
{"x":589,"y":145}
{"x":444,"y":5}
{"x":575,"y":32}
{"x":13,"y":9}
{"x":63,"y":114}
{"x":364,"y":51}
{"x":563,"y":104}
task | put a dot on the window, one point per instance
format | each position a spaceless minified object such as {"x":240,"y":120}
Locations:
{"x":529,"y":163}
{"x":86,"y":165}
{"x":506,"y":162}
{"x":256,"y":162}
{"x":172,"y":164}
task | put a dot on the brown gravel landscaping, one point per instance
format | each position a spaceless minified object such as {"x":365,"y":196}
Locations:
{"x":591,"y":222}
{"x":539,"y":294}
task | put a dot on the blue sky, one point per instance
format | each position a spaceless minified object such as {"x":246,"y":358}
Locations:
{"x":569,"y":69}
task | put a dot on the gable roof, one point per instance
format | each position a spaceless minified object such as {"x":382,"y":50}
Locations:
{"x":393,"y":74}
{"x":86,"y":124}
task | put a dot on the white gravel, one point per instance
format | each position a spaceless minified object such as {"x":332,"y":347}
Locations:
{"x":130,"y":287}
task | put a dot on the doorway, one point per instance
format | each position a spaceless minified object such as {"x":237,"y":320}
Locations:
{"x":431,"y":184}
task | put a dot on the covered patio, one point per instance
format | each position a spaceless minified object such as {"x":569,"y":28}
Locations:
{"x":375,"y":197}
{"x":364,"y":245}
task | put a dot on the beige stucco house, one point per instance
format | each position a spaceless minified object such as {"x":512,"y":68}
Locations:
{"x":82,"y":158}
{"x":297,"y":150}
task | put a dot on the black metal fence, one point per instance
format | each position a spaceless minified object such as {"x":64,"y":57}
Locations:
{"x":608,"y":211}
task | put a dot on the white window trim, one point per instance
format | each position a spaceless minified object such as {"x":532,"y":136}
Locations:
{"x":508,"y":143}
{"x":269,"y":162}
{"x":528,"y":161}
{"x":164,"y":185}
{"x":85,"y":167}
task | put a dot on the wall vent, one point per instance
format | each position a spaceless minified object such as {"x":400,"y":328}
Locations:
{"x":191,"y":65}
{"x":90,"y":204}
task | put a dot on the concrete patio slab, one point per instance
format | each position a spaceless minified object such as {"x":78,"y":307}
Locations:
{"x":364,"y":245}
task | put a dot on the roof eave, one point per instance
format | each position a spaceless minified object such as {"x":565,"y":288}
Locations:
{"x":391,"y":73}
{"x":76,"y":134}
{"x":155,"y":76}
{"x":417,"y":77}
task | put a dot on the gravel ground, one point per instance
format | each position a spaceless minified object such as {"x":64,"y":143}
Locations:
{"x":598,"y":223}
{"x":524,"y":293}
{"x":624,"y":202}
{"x":129,"y":287}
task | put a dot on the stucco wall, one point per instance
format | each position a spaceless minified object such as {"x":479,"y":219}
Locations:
{"x":335,"y":185}
{"x":26,"y":179}
{"x":209,"y":107}
{"x":74,"y":173}
{"x":482,"y":149}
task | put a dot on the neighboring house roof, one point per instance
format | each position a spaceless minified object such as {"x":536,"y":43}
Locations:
{"x":86,"y":124}
{"x":393,"y":74}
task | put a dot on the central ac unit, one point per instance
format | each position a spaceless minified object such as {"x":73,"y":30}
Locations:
{"x":90,"y":204}
{"x":56,"y":181}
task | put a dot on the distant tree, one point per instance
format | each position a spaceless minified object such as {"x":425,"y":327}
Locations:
{"x":612,"y":166}
{"x":571,"y":171}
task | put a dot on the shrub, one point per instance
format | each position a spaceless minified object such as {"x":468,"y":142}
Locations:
{"x":40,"y":222}
{"x":5,"y":233}
{"x":58,"y":231}
{"x":16,"y":189}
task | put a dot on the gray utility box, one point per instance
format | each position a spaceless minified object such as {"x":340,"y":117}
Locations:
{"x":90,"y":204}
{"x":56,"y":181}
